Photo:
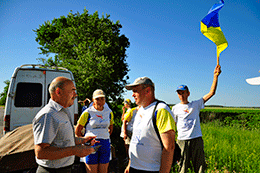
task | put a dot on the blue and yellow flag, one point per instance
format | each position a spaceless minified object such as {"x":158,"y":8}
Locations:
{"x":210,"y":28}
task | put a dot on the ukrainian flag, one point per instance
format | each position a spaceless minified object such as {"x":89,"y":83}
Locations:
{"x":210,"y":28}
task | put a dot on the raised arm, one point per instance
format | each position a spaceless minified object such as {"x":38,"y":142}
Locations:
{"x":213,"y":88}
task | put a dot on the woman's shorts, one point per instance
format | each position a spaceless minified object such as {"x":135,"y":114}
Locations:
{"x":102,"y":155}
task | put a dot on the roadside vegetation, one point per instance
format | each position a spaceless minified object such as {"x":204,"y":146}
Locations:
{"x":231,"y":140}
{"x":231,"y":148}
{"x":3,"y":94}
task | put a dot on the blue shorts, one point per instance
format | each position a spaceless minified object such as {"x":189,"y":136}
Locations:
{"x":102,"y":155}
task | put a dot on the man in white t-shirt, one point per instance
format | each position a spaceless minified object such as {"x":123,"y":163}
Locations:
{"x":145,"y":151}
{"x":186,"y":116}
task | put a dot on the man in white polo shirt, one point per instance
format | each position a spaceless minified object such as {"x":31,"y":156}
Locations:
{"x":54,"y":139}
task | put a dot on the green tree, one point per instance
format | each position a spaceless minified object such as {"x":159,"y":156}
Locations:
{"x":3,"y":95}
{"x":91,"y":47}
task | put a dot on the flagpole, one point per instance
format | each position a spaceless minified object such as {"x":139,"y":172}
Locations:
{"x":217,"y":60}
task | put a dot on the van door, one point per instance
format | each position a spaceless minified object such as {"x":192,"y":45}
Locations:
{"x":50,"y":75}
{"x":28,"y":99}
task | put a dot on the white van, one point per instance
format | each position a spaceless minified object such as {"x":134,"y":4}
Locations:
{"x":28,"y":93}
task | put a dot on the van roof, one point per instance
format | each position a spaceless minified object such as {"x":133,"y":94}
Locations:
{"x":39,"y":66}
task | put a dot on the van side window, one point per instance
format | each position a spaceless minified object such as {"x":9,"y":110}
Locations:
{"x":28,"y":95}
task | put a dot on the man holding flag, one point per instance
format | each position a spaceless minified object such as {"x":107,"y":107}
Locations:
{"x":186,"y":114}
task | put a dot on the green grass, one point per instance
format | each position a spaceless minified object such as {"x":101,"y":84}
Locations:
{"x":232,"y":145}
{"x":231,"y":149}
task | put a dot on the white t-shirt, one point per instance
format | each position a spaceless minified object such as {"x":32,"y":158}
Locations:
{"x":145,"y":148}
{"x":97,"y":122}
{"x":187,"y":119}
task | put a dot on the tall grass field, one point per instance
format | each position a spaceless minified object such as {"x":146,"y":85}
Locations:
{"x":231,"y":139}
{"x":231,"y":149}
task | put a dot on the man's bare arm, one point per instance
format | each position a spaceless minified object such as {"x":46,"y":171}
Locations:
{"x":46,"y":151}
{"x":213,"y":88}
{"x":168,"y":140}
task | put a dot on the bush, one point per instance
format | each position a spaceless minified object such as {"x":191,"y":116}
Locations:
{"x":247,"y":119}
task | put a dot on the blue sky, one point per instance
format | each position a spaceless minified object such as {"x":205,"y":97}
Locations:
{"x":165,"y":43}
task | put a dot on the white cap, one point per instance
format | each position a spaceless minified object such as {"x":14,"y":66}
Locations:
{"x":140,"y":81}
{"x":98,"y":93}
